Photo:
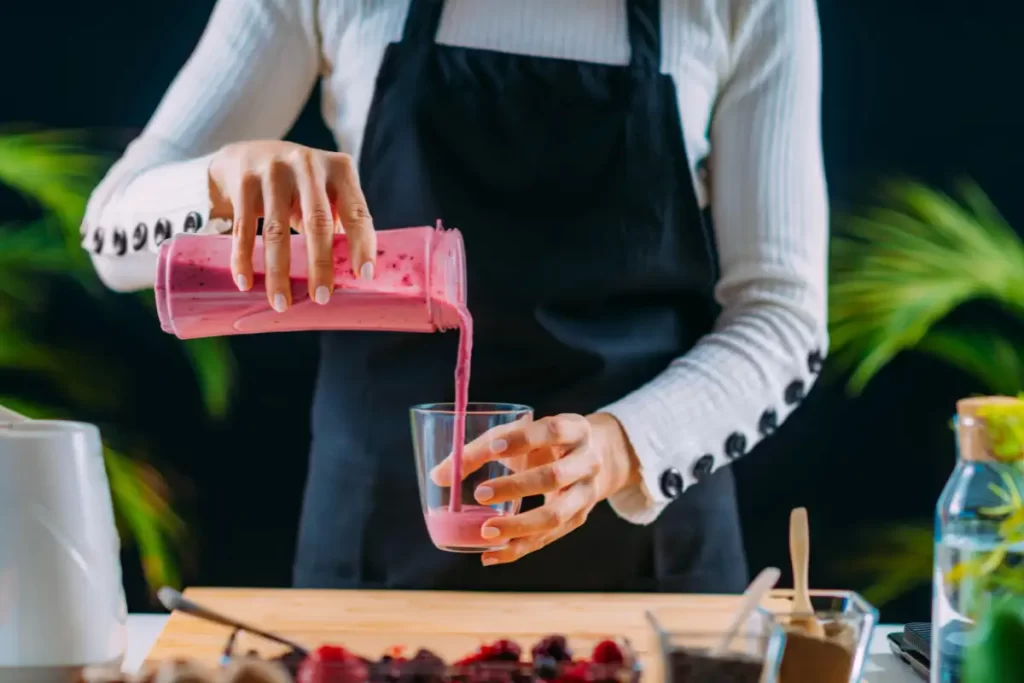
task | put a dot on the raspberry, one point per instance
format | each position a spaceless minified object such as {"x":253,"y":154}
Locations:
{"x":577,"y":672}
{"x":332,"y":664}
{"x":554,"y":647}
{"x":505,"y":651}
{"x":607,"y":652}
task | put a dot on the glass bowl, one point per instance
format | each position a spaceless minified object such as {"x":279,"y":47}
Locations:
{"x":488,"y":664}
{"x":849,"y":622}
{"x":693,"y":649}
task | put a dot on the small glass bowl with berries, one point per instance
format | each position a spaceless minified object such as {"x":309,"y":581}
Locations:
{"x":553,"y":659}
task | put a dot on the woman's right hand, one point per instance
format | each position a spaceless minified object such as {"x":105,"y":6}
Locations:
{"x":291,"y":185}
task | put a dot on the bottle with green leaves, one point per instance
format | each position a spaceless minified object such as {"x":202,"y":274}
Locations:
{"x":979,"y":541}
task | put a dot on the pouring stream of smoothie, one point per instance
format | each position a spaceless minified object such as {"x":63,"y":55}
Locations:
{"x":461,"y":401}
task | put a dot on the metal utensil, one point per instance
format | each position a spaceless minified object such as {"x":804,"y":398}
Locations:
{"x":173,"y":600}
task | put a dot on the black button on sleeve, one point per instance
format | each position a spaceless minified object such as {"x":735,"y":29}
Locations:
{"x":702,"y":468}
{"x":815,"y":361}
{"x":139,"y":236}
{"x":768,"y":423}
{"x":735,"y":445}
{"x":193,"y":221}
{"x":120,"y":241}
{"x":671,"y":483}
{"x":795,"y":392}
{"x":97,"y":241}
{"x":161,"y":231}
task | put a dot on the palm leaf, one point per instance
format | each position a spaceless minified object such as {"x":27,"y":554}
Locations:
{"x":214,"y":367}
{"x":901,"y":267}
{"x":893,"y":561}
{"x":990,"y":357}
{"x":141,"y":503}
{"x":56,"y":170}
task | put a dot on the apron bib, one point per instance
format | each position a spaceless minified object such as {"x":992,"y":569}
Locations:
{"x":590,"y":267}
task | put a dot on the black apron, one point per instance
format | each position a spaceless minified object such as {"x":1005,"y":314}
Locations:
{"x":590,"y":267}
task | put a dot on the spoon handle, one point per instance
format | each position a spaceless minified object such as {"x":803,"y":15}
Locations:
{"x":750,"y":600}
{"x":799,"y":554}
{"x":173,"y":600}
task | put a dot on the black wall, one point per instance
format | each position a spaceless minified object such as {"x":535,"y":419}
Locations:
{"x":920,"y":87}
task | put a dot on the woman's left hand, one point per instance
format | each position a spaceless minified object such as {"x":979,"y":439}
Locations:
{"x":574,"y":461}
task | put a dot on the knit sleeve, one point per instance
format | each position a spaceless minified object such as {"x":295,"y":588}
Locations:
{"x":248,"y":78}
{"x":769,"y":206}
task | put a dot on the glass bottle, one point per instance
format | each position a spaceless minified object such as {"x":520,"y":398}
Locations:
{"x":979,"y":530}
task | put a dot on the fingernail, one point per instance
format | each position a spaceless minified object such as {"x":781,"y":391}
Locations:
{"x":366,"y":272}
{"x":499,"y":446}
{"x":488,"y":561}
{"x":242,"y":282}
{"x":484,"y":493}
{"x":489,"y":532}
{"x":323,"y":295}
{"x":280,"y":304}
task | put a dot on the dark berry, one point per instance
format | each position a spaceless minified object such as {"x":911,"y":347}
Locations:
{"x":555,"y":647}
{"x":608,"y":652}
{"x":546,"y":668}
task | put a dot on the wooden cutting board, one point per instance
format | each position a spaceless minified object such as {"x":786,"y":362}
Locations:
{"x":451,"y":624}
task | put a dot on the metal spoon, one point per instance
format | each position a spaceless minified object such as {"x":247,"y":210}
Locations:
{"x":173,"y":600}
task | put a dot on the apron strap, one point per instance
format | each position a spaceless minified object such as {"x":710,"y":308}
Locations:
{"x":422,"y":21}
{"x":644,"y":35}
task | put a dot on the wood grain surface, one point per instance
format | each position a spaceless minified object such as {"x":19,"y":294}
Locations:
{"x":449,"y":623}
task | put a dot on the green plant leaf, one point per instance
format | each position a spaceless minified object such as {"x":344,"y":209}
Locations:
{"x":990,"y":357}
{"x":214,"y":367}
{"x":900,"y":267}
{"x":55,"y":169}
{"x":891,"y":561}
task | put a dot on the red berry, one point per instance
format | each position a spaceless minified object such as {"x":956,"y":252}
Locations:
{"x":505,"y":651}
{"x":332,"y":664}
{"x":608,"y":652}
{"x":577,"y":672}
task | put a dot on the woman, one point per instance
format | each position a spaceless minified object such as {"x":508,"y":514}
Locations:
{"x":567,"y":140}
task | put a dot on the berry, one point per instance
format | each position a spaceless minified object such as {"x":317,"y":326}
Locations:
{"x":546,"y":668}
{"x":577,"y":672}
{"x":505,"y":651}
{"x":607,"y":652}
{"x":332,"y":664}
{"x":554,"y":647}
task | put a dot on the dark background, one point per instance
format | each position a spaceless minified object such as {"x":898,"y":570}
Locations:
{"x":914,"y":87}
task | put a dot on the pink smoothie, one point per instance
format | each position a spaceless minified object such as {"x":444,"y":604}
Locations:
{"x":461,"y":529}
{"x":419,"y":286}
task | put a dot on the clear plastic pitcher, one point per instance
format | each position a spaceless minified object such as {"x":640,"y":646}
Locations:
{"x":419,"y":282}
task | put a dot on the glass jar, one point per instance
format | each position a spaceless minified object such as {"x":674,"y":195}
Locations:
{"x":979,"y":530}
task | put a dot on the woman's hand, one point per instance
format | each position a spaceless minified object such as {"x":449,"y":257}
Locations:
{"x":574,"y":461}
{"x":288,"y":184}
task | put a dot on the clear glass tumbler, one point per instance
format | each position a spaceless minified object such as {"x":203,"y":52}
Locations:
{"x":432,"y":429}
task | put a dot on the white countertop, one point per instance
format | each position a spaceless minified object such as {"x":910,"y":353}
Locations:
{"x":143,"y":630}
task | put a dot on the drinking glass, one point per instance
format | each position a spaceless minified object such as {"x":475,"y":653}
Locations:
{"x":694,"y":648}
{"x":433,"y":425}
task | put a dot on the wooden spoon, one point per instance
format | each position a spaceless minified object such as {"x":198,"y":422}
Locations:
{"x":803,"y":618}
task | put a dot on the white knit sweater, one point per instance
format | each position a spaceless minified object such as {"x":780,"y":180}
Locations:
{"x":749,"y":68}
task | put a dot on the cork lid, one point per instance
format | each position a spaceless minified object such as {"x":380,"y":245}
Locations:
{"x":972,"y":435}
